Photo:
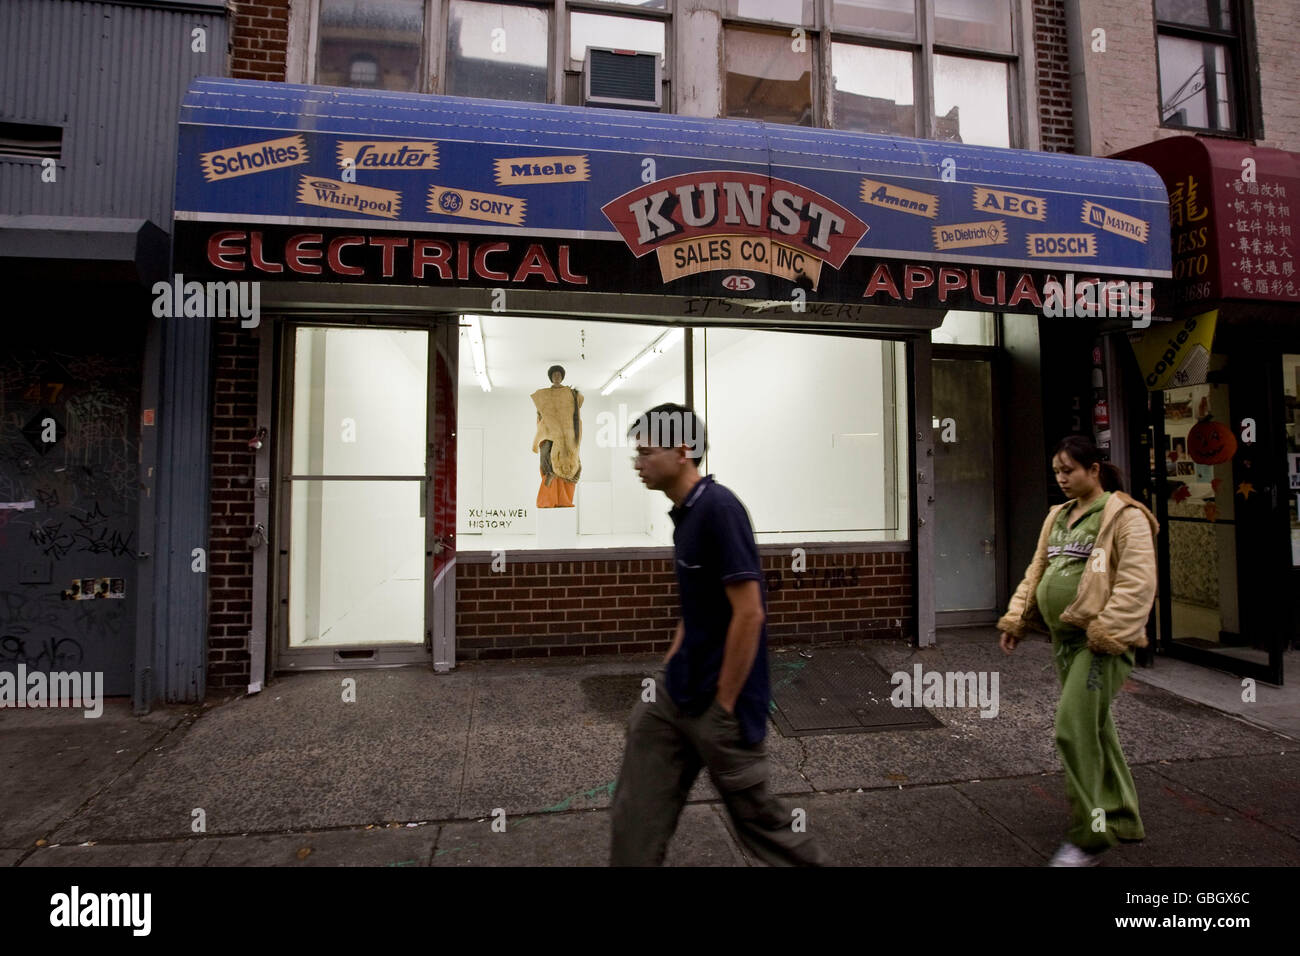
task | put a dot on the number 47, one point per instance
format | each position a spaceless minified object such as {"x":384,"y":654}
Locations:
{"x":34,"y":393}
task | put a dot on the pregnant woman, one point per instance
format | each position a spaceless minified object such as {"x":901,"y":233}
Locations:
{"x":1090,"y":585}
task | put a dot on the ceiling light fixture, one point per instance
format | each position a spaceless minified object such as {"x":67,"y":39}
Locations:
{"x":474,"y":331}
{"x":655,"y":349}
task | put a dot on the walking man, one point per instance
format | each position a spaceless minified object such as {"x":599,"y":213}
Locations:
{"x":710,"y":697}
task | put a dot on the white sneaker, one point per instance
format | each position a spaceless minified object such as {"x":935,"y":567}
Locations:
{"x":1071,"y":855}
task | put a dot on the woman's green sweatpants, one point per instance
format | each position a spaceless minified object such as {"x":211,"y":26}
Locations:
{"x":1103,"y":799}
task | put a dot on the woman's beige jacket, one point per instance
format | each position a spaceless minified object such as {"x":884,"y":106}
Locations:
{"x":1116,"y":589}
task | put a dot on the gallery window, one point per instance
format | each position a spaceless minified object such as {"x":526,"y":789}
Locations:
{"x":784,"y":412}
{"x":1202,"y":82}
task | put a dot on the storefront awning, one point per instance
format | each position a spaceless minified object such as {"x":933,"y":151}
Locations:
{"x":60,"y":248}
{"x":279,"y":182}
{"x":1235,"y":218}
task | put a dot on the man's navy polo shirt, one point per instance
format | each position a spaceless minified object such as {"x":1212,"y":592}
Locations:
{"x":713,"y":546}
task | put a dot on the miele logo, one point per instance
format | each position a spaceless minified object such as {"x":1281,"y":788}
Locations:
{"x":714,"y":203}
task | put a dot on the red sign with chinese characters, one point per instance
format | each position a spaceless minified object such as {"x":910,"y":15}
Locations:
{"x":1234,"y":216}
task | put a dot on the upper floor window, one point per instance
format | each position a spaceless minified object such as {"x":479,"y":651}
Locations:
{"x":493,"y":50}
{"x":1202,"y":85}
{"x":939,"y":69}
{"x":370,"y":43}
{"x":498,"y":51}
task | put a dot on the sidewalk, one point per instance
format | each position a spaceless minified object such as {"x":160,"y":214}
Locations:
{"x":411,"y":773}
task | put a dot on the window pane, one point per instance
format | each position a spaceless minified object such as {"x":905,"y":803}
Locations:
{"x":1195,"y":84}
{"x":979,"y":23}
{"x":497,"y":52}
{"x":643,"y":4}
{"x":767,"y":79}
{"x":370,"y":43}
{"x":872,"y":89}
{"x":336,"y":378}
{"x":789,"y":412}
{"x":781,"y":11}
{"x":970,"y":101}
{"x":965,"y":328}
{"x":356,"y":571}
{"x":503,"y":499}
{"x":878,"y":16}
{"x":1216,"y":14}
{"x":620,"y":33}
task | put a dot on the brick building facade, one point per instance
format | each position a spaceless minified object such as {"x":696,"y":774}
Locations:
{"x":604,"y":605}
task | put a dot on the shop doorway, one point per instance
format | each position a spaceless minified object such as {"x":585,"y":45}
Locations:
{"x":969,"y":563}
{"x":353,"y":522}
{"x":1200,"y":605}
{"x":1221,"y":457}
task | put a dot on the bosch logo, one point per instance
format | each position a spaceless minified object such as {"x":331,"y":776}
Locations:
{"x":738,"y":283}
{"x":450,"y":202}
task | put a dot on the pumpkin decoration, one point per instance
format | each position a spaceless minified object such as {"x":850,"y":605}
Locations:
{"x":1210,"y":442}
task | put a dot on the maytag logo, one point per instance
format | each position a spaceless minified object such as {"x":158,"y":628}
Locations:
{"x":717,"y":202}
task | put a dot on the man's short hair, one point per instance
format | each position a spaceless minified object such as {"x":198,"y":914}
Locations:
{"x":669,"y":426}
{"x":553,"y":369}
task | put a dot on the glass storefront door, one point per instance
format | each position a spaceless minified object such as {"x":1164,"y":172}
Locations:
{"x":1222,"y":452}
{"x":355,"y":497}
{"x":1200,"y":515}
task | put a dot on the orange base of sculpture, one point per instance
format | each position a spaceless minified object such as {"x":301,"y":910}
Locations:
{"x":558,"y":494}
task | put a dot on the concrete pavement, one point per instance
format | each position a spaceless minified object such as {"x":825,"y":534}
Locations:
{"x":412,"y":772}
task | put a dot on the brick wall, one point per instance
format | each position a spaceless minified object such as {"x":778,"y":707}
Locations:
{"x":259,"y":39}
{"x":1123,"y":82}
{"x":1052,"y":52}
{"x":1279,"y":71}
{"x":582,"y":608}
{"x":230,"y":560}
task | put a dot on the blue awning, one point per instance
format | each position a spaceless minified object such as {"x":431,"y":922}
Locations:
{"x":638,"y":201}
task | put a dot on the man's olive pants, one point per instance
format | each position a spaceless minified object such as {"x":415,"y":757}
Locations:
{"x":664,"y":753}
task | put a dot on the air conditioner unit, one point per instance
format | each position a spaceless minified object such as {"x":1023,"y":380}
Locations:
{"x":621,"y":78}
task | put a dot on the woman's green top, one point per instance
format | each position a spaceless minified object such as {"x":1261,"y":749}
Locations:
{"x":1068,"y":547}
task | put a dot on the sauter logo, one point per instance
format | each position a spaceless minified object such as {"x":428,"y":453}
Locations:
{"x":699,"y":222}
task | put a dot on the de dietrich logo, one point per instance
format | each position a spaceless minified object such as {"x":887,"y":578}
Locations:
{"x":712,"y":220}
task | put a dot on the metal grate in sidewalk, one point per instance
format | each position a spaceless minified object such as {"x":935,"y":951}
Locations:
{"x":839,"y":690}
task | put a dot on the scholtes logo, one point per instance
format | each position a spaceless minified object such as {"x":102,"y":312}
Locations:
{"x":724,"y":203}
{"x":75,"y":909}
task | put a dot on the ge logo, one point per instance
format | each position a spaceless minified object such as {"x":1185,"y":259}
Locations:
{"x":450,"y":202}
